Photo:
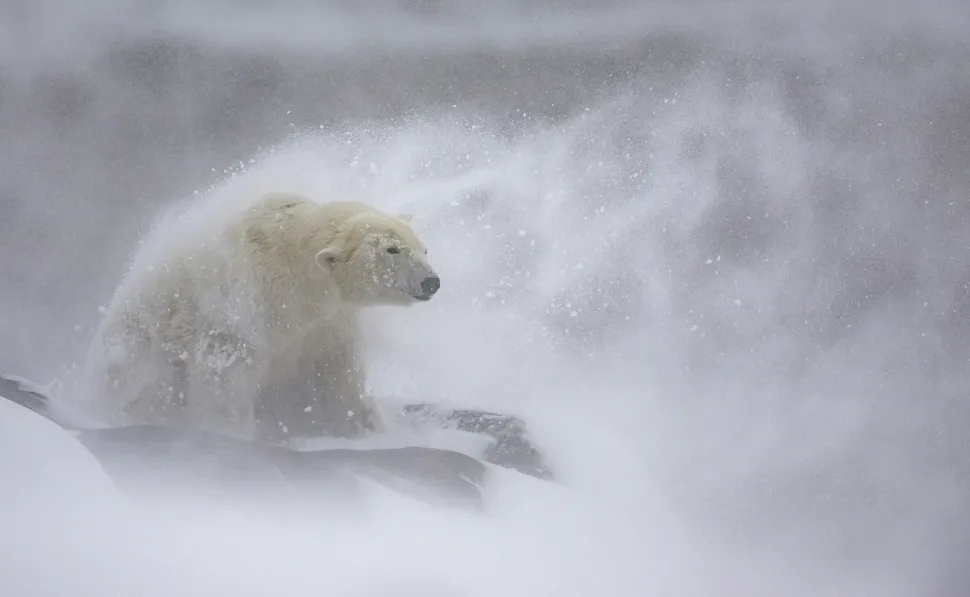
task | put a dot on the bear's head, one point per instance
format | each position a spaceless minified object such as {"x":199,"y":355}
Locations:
{"x":377,"y":259}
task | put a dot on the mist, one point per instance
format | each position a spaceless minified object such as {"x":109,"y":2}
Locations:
{"x":714,"y":253}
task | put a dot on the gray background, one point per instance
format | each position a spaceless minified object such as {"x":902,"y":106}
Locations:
{"x":859,"y":203}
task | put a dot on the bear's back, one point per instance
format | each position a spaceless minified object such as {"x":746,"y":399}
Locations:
{"x":283,"y":214}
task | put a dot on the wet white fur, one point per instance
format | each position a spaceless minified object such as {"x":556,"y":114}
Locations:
{"x":252,"y":329}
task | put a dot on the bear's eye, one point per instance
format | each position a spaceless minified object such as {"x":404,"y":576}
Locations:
{"x":393,"y":250}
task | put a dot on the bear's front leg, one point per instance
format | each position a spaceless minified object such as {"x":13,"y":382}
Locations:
{"x":315,"y":388}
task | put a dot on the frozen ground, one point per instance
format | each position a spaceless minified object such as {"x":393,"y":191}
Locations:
{"x":714,"y":252}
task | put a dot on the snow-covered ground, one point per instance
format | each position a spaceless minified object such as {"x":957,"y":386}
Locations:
{"x":67,"y":530}
{"x":713,"y":253}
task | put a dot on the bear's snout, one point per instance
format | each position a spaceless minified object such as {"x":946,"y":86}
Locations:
{"x":429,"y":286}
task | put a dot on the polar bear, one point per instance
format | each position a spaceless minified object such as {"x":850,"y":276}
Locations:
{"x":251,"y":328}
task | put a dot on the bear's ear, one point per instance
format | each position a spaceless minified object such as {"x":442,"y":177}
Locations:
{"x":327,"y":258}
{"x":406,"y":217}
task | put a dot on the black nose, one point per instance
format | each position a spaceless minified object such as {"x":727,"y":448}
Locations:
{"x":430,"y":285}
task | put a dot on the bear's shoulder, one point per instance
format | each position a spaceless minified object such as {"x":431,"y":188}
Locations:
{"x":281,"y":203}
{"x":344,"y":208}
